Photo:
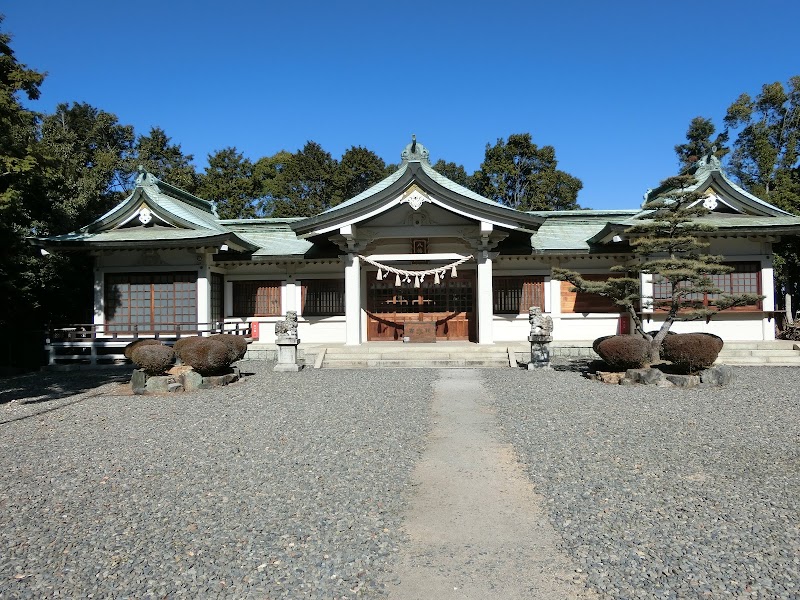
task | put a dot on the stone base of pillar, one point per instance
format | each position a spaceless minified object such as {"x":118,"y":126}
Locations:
{"x":287,"y":355}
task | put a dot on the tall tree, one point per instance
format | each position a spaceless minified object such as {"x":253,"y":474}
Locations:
{"x":766,"y":161}
{"x":305,"y":187}
{"x":699,"y":142}
{"x":767,"y":148}
{"x":669,"y":246}
{"x":88,"y":153}
{"x":228,"y":180}
{"x":453,"y":172}
{"x":358,"y":170}
{"x":159,"y":156}
{"x":20,"y":164}
{"x":520,"y":174}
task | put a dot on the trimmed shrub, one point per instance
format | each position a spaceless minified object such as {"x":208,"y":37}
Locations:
{"x":600,"y":340}
{"x":623,"y":352}
{"x":128,"y":352}
{"x":691,"y":352}
{"x":153,"y":359}
{"x":182,"y":343}
{"x":237,"y":344}
{"x":207,"y":356}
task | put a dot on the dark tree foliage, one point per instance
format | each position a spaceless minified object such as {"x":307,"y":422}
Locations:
{"x":229,"y":181}
{"x":159,"y":156}
{"x":454,"y":172}
{"x":766,"y":154}
{"x":88,"y":152}
{"x":699,"y":142}
{"x":358,"y":170}
{"x":305,"y":185}
{"x":520,"y":174}
{"x":766,"y":162}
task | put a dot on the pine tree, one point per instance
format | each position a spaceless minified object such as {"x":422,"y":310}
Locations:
{"x":667,"y":244}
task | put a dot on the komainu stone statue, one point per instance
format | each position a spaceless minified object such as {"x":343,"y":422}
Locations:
{"x":541,"y":325}
{"x":287,"y":342}
{"x":288,"y":327}
{"x":540,"y":337}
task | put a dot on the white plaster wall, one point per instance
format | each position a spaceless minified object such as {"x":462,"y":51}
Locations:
{"x":314,"y":330}
{"x":572,"y":327}
{"x":730,"y":327}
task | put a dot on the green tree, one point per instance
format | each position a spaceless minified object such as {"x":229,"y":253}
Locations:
{"x":305,"y":187}
{"x":668,"y":245}
{"x":20,"y":164}
{"x":453,"y":172}
{"x":765,"y":154}
{"x":765,"y":161}
{"x":358,"y":170}
{"x":159,"y":156}
{"x":88,"y":152}
{"x":520,"y":174}
{"x":229,"y":181}
{"x":699,"y":142}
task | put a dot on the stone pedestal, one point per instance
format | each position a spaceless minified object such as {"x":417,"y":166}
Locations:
{"x":540,"y":351}
{"x":287,"y":354}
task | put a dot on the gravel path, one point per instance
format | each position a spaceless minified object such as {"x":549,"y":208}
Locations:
{"x":294,"y":485}
{"x":283,"y":485}
{"x":476,"y":528}
{"x":663,"y":493}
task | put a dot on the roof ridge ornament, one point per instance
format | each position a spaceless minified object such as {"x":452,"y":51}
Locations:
{"x":415,"y":152}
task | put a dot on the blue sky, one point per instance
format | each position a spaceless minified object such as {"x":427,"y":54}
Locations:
{"x":611,"y":85}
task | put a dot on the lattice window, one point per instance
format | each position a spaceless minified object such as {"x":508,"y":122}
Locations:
{"x":151,"y":301}
{"x":451,"y":295}
{"x":323,"y":297}
{"x":257,"y":298}
{"x":744,"y":279}
{"x":516,"y":295}
{"x":217,"y":296}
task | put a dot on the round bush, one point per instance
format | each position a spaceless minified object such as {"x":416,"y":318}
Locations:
{"x":691,"y":352}
{"x":599,"y":341}
{"x":183,"y":343}
{"x":153,"y":359}
{"x":128,"y":352}
{"x":237,"y":344}
{"x":207,"y":356}
{"x":623,"y":352}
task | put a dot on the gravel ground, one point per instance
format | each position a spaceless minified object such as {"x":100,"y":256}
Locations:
{"x":283,"y":485}
{"x":666,"y":493}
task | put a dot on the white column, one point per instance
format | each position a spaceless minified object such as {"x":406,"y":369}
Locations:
{"x":99,"y":300}
{"x":485,"y":302}
{"x":352,"y":299}
{"x":768,"y":303}
{"x":203,"y":296}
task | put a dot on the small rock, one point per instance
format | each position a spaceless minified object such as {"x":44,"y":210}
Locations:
{"x":684,"y":381}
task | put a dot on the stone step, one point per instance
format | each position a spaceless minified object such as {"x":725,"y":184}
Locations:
{"x":773,"y":361}
{"x":736,"y":352}
{"x":414,"y":355}
{"x":442,"y":363}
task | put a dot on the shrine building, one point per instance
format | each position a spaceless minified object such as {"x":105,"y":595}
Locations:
{"x":414,"y":248}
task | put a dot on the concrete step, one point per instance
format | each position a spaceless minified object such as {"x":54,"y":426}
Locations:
{"x":736,"y":352}
{"x":454,"y":363}
{"x":773,"y":361}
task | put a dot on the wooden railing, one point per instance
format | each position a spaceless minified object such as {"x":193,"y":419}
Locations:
{"x":104,"y":343}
